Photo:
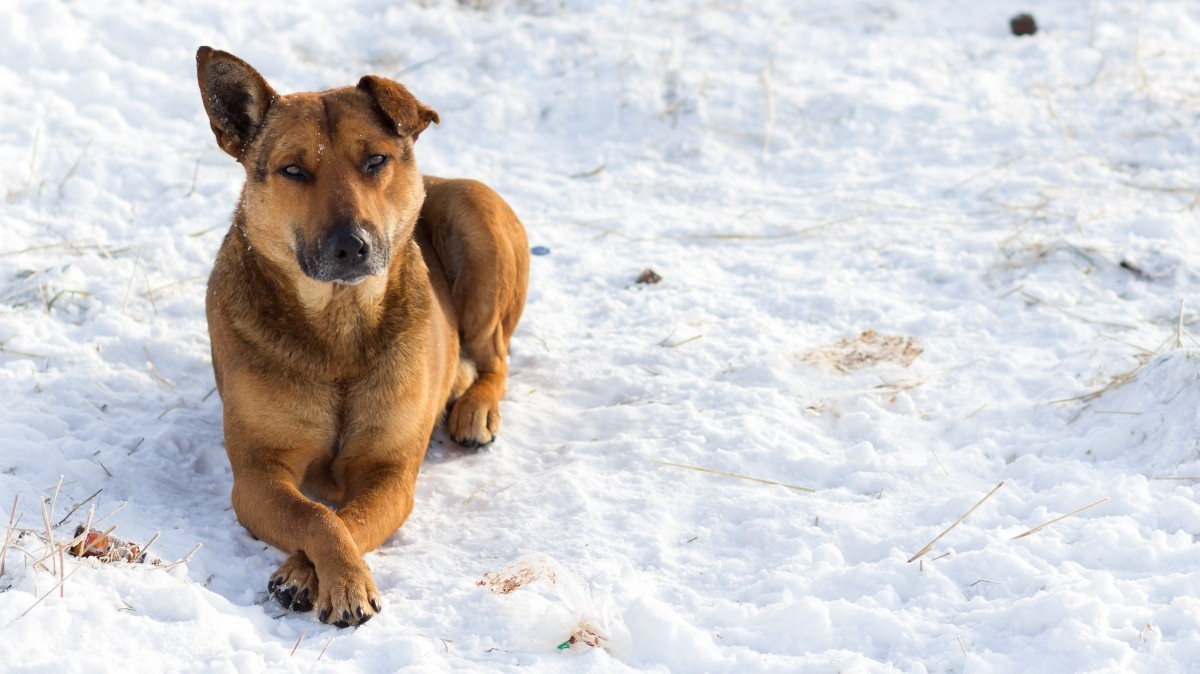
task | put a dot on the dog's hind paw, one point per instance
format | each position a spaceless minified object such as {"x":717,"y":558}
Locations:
{"x":473,"y":421}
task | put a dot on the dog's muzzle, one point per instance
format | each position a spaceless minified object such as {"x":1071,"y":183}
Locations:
{"x":347,"y":254}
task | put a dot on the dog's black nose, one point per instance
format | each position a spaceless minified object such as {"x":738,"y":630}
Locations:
{"x":347,"y":247}
{"x":348,"y":253}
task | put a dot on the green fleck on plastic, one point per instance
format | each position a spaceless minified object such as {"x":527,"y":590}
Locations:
{"x":564,"y":645}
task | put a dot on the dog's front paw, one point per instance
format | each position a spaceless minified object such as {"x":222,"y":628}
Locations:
{"x":349,"y":598}
{"x":294,"y":585}
{"x":474,"y":421}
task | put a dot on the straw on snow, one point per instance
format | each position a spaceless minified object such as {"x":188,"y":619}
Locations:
{"x":50,"y":591}
{"x":1056,"y":519}
{"x":929,"y":545}
{"x":8,"y":532}
{"x":737,"y":475}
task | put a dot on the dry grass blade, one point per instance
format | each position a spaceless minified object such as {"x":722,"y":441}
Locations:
{"x":71,"y":171}
{"x":929,"y":545}
{"x":75,"y":507}
{"x":322,"y":653}
{"x":136,"y":262}
{"x":667,"y":343}
{"x":302,"y":634}
{"x":49,"y":539}
{"x":1182,"y":477}
{"x":1179,"y":327}
{"x":54,"y":498}
{"x":182,"y":560}
{"x":1057,"y":519}
{"x":23,"y":354}
{"x":12,"y":523}
{"x":112,"y":512}
{"x":50,"y":591}
{"x":153,"y":539}
{"x":737,"y":475}
{"x":154,"y":370}
{"x":1039,"y":301}
{"x":1062,"y":127}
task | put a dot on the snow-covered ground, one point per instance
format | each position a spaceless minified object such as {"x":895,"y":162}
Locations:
{"x":1010,"y":221}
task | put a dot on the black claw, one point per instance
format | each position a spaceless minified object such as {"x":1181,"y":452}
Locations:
{"x":274,"y":583}
{"x":364,"y":619}
{"x":359,"y":613}
{"x":345,"y":617}
{"x":375,"y":605}
{"x":285,"y":597}
{"x":324,"y":617}
{"x":302,"y":602}
{"x":341,"y":624}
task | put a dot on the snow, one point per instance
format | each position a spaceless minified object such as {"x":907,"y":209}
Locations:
{"x":798,"y":173}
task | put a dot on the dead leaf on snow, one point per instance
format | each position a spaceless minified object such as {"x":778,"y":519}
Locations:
{"x":865,"y":350}
{"x":519,"y":574}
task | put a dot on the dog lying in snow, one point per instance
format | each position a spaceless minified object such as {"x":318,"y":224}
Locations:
{"x":351,"y":303}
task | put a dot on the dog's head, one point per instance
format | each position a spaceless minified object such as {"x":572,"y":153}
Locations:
{"x":331,"y":183}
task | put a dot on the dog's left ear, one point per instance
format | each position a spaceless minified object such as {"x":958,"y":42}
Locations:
{"x":399,"y":107}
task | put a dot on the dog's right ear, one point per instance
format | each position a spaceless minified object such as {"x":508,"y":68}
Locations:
{"x":235,"y":96}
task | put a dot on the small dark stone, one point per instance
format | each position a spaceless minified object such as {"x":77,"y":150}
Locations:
{"x":1023,"y":24}
{"x":648,"y":276}
{"x":540,"y":250}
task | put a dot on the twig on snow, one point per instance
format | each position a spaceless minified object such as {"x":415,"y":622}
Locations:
{"x":154,"y":370}
{"x":1179,"y":328}
{"x":77,"y":506}
{"x":737,"y":475}
{"x":182,"y":560}
{"x":1056,"y":519}
{"x":50,"y":591}
{"x":128,"y":287}
{"x":195,"y":175}
{"x":929,"y":545}
{"x":12,"y":523}
{"x":1034,"y":299}
{"x":145,"y":548}
{"x":71,"y":171}
{"x":1062,"y":127}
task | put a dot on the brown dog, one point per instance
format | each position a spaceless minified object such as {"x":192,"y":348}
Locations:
{"x":351,"y":303}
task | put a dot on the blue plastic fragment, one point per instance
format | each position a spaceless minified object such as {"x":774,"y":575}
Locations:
{"x":540,"y":250}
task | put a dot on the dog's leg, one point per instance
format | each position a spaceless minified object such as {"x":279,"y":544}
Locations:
{"x":379,"y":498}
{"x":487,"y":260}
{"x":475,"y":417}
{"x":326,"y":569}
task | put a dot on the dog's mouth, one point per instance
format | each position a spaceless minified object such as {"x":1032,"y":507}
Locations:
{"x":346,"y":255}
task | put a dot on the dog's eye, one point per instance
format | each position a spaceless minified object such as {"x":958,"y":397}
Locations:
{"x":376,"y":162}
{"x":294,"y":172}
